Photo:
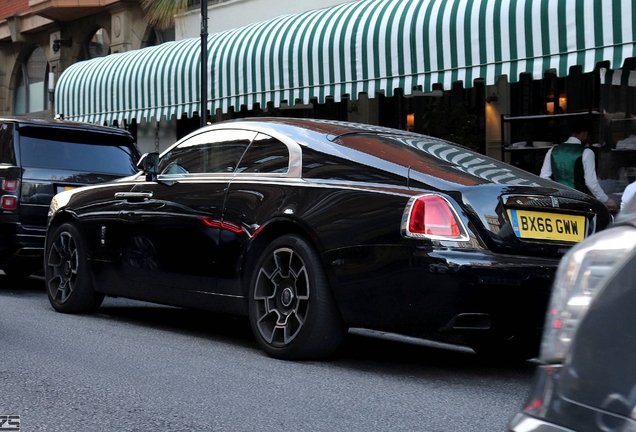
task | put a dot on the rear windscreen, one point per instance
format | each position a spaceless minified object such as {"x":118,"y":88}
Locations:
{"x":79,"y":151}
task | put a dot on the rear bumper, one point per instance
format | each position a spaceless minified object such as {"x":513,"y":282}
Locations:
{"x":440,"y":290}
{"x":20,"y":245}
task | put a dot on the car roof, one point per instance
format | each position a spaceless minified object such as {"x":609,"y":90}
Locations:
{"x":421,"y":157}
{"x":331,"y":128}
{"x":37,"y":122}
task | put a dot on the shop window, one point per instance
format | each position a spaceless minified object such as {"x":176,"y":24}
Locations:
{"x":31,"y":84}
{"x":542,"y":113}
{"x":329,"y":110}
{"x":617,"y":154}
{"x":554,"y":95}
{"x":556,"y":101}
{"x":456,"y":115}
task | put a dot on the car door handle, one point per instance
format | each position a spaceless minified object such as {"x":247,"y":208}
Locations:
{"x":134,"y":195}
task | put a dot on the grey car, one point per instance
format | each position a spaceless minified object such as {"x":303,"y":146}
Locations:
{"x":587,"y":381}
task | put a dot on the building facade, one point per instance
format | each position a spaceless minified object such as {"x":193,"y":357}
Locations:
{"x":39,"y":39}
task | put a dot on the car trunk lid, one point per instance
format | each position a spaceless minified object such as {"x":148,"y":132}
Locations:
{"x":537,"y":221}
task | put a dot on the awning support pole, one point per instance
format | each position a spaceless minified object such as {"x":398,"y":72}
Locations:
{"x":203,"y":114}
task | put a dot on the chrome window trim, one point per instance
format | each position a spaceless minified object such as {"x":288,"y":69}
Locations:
{"x":295,"y":167}
{"x":195,"y":176}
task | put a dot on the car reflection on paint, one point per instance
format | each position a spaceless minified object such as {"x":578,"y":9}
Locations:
{"x":587,"y":379}
{"x":310,"y":227}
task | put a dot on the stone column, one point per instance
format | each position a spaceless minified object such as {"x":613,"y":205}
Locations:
{"x":121,"y":37}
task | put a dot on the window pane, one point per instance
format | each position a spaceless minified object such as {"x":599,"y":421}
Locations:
{"x":20,"y":102}
{"x":36,"y":97}
{"x":36,"y":73}
{"x":7,"y":154}
{"x":36,"y":66}
{"x":82,"y":151}
{"x":30,"y":89}
{"x":209,"y":152}
{"x":265,"y":155}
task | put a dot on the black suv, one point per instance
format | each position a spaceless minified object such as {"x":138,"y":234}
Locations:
{"x":39,"y":158}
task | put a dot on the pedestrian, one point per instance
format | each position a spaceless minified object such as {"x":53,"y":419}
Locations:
{"x":628,"y":194}
{"x":573,"y":165}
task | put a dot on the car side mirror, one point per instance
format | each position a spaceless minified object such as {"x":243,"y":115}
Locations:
{"x":149,"y":164}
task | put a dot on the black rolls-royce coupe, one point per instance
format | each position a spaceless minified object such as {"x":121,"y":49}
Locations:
{"x":310,"y":227}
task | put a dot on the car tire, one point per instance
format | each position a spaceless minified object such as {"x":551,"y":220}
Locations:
{"x":506,"y":348}
{"x":291,"y":307}
{"x":68,"y":283}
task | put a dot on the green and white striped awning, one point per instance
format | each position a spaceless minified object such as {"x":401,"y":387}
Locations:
{"x":154,"y":82}
{"x":618,"y":77}
{"x":363,"y":46}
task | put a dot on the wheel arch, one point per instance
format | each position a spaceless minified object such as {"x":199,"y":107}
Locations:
{"x":304,"y":320}
{"x":59,"y":219}
{"x":265,"y":235}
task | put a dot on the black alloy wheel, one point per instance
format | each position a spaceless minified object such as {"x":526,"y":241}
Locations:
{"x":291,"y":307}
{"x":68,"y":283}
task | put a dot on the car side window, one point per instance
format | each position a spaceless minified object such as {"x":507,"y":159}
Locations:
{"x":265,"y":155}
{"x":7,"y":152}
{"x":215,"y":151}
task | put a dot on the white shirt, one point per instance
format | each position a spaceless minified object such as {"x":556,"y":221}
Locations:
{"x":628,"y":193}
{"x":589,"y":169}
{"x":627,"y":143}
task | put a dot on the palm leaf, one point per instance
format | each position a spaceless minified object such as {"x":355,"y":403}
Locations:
{"x":160,"y":13}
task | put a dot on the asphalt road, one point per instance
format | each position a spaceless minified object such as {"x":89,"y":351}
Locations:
{"x":136,"y":366}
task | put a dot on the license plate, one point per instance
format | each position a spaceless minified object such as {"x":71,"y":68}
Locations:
{"x":64,"y":188}
{"x":547,"y":226}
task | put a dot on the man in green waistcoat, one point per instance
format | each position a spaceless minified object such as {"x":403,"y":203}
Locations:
{"x":573,"y":165}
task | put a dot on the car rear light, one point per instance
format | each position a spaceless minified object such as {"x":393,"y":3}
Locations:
{"x":432,"y":217}
{"x":9,"y":202}
{"x":10,"y":185}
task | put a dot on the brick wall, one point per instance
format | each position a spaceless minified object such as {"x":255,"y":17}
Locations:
{"x":12,"y":7}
